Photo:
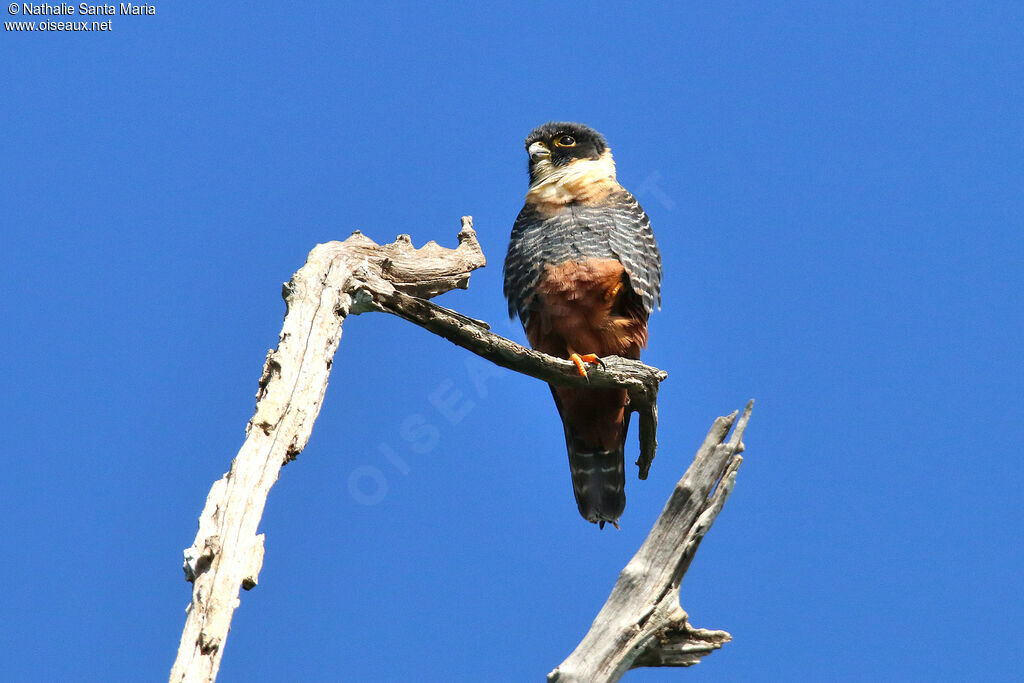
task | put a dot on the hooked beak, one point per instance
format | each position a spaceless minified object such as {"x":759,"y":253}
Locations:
{"x":538,"y":151}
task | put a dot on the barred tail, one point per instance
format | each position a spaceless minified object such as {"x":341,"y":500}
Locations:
{"x":598,"y":480}
{"x":595,"y":435}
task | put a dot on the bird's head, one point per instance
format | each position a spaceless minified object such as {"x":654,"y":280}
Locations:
{"x":557,"y":145}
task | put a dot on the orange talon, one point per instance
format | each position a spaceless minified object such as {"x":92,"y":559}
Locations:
{"x":586,"y":358}
{"x":610,"y":294}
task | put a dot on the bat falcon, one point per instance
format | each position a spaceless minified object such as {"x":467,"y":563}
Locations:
{"x":583,"y":273}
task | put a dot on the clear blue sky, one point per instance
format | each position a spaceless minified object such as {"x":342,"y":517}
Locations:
{"x":838,"y":191}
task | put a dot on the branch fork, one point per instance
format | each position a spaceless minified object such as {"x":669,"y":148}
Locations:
{"x":357,"y":276}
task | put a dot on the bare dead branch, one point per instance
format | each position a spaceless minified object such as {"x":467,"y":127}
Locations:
{"x":357,"y":276}
{"x":642,"y":623}
{"x":227,"y":553}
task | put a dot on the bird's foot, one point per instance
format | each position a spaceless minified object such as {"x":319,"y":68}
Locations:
{"x":586,"y":358}
{"x":612,"y":292}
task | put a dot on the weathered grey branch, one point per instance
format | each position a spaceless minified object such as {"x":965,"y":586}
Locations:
{"x":339,"y":278}
{"x":228,"y":553}
{"x":642,"y":623}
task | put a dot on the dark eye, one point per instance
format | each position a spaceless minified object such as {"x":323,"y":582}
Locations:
{"x":565,"y":141}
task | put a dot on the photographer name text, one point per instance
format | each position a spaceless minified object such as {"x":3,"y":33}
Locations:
{"x":85,"y":9}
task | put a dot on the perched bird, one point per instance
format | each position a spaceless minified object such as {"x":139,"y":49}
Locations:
{"x":583,"y":272}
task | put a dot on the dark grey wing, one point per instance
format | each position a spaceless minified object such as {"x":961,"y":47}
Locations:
{"x":617,"y":229}
{"x":522,"y":263}
{"x":540,"y":239}
{"x":632,"y":241}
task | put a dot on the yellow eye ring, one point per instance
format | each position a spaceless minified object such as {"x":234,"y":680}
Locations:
{"x":565,"y":141}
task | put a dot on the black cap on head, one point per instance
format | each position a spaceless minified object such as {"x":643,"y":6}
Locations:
{"x":568,"y":141}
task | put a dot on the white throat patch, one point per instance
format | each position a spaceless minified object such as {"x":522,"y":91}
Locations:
{"x":565,"y":184}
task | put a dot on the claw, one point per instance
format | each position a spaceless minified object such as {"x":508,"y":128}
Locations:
{"x":586,"y":358}
{"x":610,"y":294}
